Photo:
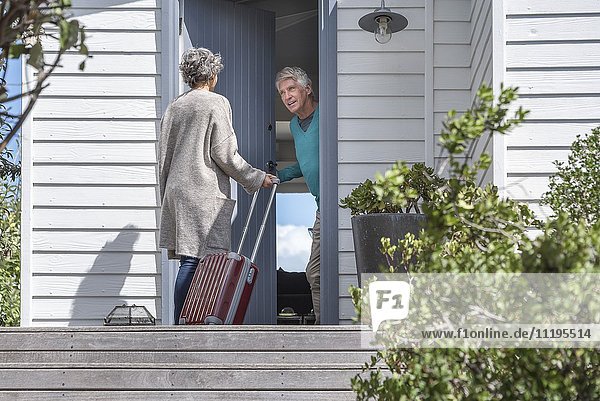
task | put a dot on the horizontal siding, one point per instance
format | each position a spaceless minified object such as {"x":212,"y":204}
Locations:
{"x":566,"y":56}
{"x":75,"y":130}
{"x":538,"y":160}
{"x":106,"y":285}
{"x":113,"y":18}
{"x":451,"y":78}
{"x":52,"y":218}
{"x":89,"y":263}
{"x":534,"y":29}
{"x":527,"y":188}
{"x":381,"y":85}
{"x":354,"y":173}
{"x":381,"y":63}
{"x":533,"y":134}
{"x":553,"y":55}
{"x":380,"y":151}
{"x":451,"y":55}
{"x":95,"y":203}
{"x":95,"y":152}
{"x":347,"y":263}
{"x":125,"y":240}
{"x":361,"y":41}
{"x":99,"y":175}
{"x":112,"y":4}
{"x":580,"y":107}
{"x":361,"y":129}
{"x":544,"y":7}
{"x":95,"y":196}
{"x":75,"y":107}
{"x":112,"y":64}
{"x":347,"y":311}
{"x":381,"y":102}
{"x":366,"y":6}
{"x":565,"y":82}
{"x":89,"y":311}
{"x":381,"y":107}
{"x":107,"y":41}
{"x":126,"y":86}
{"x":451,"y":10}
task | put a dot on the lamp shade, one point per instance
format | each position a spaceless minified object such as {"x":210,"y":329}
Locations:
{"x":370,"y":22}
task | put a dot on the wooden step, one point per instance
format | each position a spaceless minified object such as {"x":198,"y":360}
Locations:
{"x":188,"y":359}
{"x":183,"y":363}
{"x":177,"y":395}
{"x":224,"y":338}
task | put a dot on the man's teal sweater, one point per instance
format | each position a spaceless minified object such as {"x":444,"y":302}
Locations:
{"x":307,"y":154}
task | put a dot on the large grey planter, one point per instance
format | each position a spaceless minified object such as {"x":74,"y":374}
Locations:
{"x":367,"y":231}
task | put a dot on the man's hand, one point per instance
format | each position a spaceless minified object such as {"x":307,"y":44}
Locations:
{"x":268,"y":181}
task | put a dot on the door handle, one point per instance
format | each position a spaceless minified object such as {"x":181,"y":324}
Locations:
{"x":271,"y":167}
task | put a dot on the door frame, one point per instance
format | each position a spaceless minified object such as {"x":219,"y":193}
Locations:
{"x":328,"y":159}
{"x":173,"y":42}
{"x":171,"y":14}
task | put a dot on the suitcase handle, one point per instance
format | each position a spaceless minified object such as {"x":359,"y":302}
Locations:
{"x":264,"y":221}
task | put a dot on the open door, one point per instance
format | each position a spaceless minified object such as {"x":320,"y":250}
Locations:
{"x":245,"y":38}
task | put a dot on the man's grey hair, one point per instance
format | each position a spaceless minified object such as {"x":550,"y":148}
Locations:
{"x":295,"y":73}
{"x":198,"y":65}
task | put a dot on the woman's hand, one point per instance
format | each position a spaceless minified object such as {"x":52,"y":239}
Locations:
{"x":268,"y":181}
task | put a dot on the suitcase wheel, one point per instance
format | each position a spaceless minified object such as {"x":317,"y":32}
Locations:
{"x":212,"y":320}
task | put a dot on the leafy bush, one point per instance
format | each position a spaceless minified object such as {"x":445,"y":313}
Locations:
{"x":575,"y":188}
{"x":399,"y":190}
{"x":471,"y":229}
{"x":10,"y":266}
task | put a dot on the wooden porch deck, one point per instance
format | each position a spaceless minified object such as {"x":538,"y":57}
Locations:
{"x":247,"y":363}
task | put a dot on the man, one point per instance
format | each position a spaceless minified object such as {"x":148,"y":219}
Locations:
{"x":295,"y":89}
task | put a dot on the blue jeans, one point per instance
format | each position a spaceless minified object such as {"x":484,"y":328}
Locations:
{"x":187,"y":268}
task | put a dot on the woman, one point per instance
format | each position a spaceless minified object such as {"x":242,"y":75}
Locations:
{"x":198,"y":154}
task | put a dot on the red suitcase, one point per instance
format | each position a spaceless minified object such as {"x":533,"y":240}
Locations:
{"x":222,"y":285}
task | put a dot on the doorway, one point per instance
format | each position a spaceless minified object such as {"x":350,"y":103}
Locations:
{"x":296,"y":44}
{"x":252,"y":59}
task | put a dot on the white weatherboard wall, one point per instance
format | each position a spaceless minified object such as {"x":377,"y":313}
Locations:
{"x":552,"y":51}
{"x":90,"y":242}
{"x":392,"y":97}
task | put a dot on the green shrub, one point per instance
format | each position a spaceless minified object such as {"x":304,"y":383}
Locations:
{"x":399,"y":190}
{"x":575,"y":188}
{"x":471,"y":229}
{"x":10,"y":245}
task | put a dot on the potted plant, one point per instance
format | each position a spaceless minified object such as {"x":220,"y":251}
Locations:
{"x":389,"y":207}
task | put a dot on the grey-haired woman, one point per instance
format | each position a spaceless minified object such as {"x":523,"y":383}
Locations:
{"x":198,"y":153}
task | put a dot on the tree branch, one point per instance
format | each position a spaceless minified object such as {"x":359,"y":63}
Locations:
{"x":42,"y":76}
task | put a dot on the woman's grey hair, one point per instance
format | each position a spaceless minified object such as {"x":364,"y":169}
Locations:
{"x":295,"y":73}
{"x":199,"y":65}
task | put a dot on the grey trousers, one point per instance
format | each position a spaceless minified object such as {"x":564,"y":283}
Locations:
{"x":313,"y":268}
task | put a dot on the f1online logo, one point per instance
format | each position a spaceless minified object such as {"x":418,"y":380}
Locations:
{"x":388,"y":300}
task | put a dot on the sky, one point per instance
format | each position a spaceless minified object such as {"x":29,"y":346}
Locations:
{"x":295,"y":214}
{"x":13,"y":79}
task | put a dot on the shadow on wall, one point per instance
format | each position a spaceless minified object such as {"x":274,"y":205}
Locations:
{"x":101,"y":288}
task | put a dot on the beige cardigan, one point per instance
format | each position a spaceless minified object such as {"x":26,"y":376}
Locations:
{"x":197,"y":155}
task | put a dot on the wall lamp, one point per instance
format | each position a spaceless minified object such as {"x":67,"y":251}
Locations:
{"x":383,"y":22}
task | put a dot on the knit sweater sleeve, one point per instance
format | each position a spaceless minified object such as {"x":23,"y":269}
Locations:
{"x":290,"y":172}
{"x":224,"y":151}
